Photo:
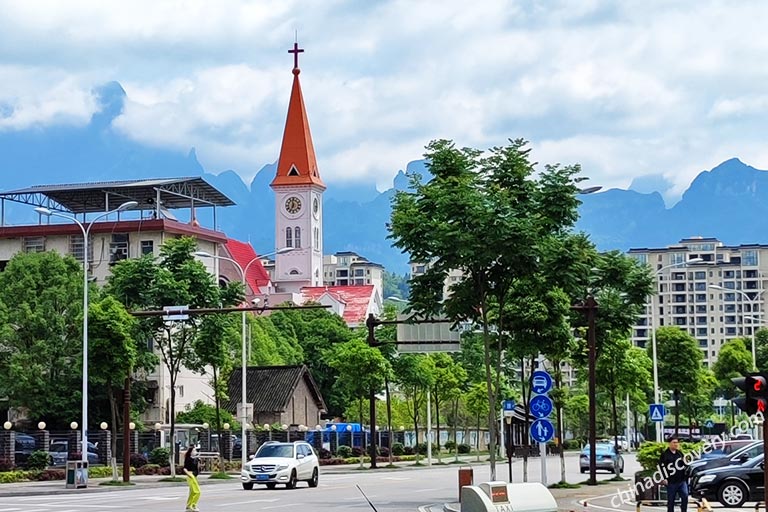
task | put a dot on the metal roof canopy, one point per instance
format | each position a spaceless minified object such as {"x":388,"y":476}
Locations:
{"x":98,"y":197}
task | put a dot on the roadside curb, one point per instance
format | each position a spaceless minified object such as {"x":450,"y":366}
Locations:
{"x":96,"y":488}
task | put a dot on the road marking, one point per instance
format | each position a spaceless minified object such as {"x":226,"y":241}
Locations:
{"x":9,"y":509}
{"x":428,"y":490}
{"x":281,"y":506}
{"x":245,"y":502}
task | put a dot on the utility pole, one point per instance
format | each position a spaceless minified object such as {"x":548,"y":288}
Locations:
{"x":371,"y":324}
{"x":589,"y":306}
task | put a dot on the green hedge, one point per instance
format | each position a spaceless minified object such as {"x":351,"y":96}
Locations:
{"x":649,"y":453}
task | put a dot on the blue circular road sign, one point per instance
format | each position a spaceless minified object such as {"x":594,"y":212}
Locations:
{"x":541,"y":406}
{"x":541,"y":382}
{"x":542,"y":430}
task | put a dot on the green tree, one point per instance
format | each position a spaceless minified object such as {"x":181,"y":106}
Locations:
{"x":678,"y":362}
{"x":449,"y":381}
{"x":733,"y":360}
{"x":114,"y":354}
{"x":316,"y":330}
{"x":484,"y":216}
{"x":41,"y":297}
{"x":477,"y":406}
{"x":360,"y":368}
{"x":415,"y":373}
{"x":200,"y":412}
{"x":761,"y":349}
{"x":577,"y":415}
{"x":175,"y":278}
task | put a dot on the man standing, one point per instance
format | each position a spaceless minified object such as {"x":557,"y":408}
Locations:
{"x":672,"y":465}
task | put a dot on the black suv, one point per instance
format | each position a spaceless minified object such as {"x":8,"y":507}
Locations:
{"x":25,"y":445}
{"x":731,"y":485}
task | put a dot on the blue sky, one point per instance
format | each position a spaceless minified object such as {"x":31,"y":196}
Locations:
{"x":625,"y":88}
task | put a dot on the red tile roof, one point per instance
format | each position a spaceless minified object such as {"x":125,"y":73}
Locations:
{"x":355,"y":299}
{"x":243,"y":254}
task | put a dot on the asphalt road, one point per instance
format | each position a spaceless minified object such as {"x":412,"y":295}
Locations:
{"x":389,"y":491}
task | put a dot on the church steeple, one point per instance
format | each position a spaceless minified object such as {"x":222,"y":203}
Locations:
{"x":297,"y":164}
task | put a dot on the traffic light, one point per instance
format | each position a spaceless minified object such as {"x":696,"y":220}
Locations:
{"x":755,"y":387}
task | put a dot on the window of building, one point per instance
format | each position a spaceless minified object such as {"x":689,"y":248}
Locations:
{"x":317,"y":238}
{"x":359,"y":272}
{"x":294,"y":272}
{"x":677,"y":258}
{"x":288,"y":237}
{"x":297,"y":237}
{"x":359,"y":282}
{"x":33,"y":244}
{"x":147,"y":247}
{"x":749,"y":258}
{"x":641,"y":258}
{"x":342,"y":272}
{"x":700,"y":275}
{"x":118,"y":247}
{"x":76,"y":247}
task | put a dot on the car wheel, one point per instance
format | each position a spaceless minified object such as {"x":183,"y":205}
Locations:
{"x":315,"y":478}
{"x":583,"y":470}
{"x":732,"y":494}
{"x":292,"y":482}
{"x":248,"y":486}
{"x":271,"y":485}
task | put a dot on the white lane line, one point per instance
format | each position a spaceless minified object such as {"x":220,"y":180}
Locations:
{"x":280,"y":506}
{"x":9,"y":509}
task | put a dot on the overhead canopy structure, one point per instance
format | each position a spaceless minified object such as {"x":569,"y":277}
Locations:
{"x":96,"y":197}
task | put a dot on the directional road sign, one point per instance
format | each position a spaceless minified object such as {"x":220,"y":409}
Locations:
{"x":542,"y":430}
{"x":173,"y":313}
{"x":509,"y":408}
{"x":709,"y":424}
{"x":541,"y":382}
{"x":541,"y":406}
{"x":657,"y":412}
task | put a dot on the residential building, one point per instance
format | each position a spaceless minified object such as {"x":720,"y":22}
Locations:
{"x":689,"y":296}
{"x":348,"y":268}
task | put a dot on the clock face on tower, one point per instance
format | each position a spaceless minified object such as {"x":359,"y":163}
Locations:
{"x":293,"y":205}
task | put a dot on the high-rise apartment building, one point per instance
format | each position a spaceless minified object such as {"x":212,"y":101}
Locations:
{"x":712,"y":290}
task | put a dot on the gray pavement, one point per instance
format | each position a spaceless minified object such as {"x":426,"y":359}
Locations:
{"x":404,"y":489}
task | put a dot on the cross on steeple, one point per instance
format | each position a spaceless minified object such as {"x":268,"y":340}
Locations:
{"x":296,"y":51}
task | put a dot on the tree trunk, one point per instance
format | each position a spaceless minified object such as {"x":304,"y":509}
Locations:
{"x":677,"y":410}
{"x":559,"y":418}
{"x":615,"y":419}
{"x":491,"y":393}
{"x":477,"y":440}
{"x":456,"y":428}
{"x":389,"y":419}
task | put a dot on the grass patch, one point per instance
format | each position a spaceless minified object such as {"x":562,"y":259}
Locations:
{"x":564,"y":485}
{"x":117,"y":483}
{"x":220,"y":476}
{"x":391,"y":466}
{"x":173,"y":479}
{"x":619,"y":479}
{"x":599,"y":482}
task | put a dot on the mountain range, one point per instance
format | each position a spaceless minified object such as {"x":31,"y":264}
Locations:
{"x":729,"y":201}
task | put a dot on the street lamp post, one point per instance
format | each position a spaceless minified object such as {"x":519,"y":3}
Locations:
{"x":86,"y":231}
{"x":751,"y":319}
{"x":244,"y":362}
{"x":656,"y":390}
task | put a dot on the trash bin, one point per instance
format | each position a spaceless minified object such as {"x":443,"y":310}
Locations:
{"x":466,"y":477}
{"x":77,"y":474}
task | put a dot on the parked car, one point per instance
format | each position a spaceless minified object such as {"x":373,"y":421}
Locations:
{"x":59,"y":452}
{"x":740,"y":456}
{"x":24,"y":446}
{"x":727,"y":448}
{"x":606,"y":458}
{"x":731,"y":485}
{"x":281,"y":463}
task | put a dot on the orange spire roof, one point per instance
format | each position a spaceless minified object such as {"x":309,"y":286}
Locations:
{"x":297,"y":164}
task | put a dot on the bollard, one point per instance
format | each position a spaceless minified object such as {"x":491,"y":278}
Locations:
{"x":466,"y":477}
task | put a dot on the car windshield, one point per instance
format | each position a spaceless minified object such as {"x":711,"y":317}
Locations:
{"x":276,"y":450}
{"x":600,"y":448}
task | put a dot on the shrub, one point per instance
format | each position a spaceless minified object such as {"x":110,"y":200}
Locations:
{"x":450,"y":445}
{"x":38,"y":460}
{"x":566,"y":444}
{"x":324,"y":454}
{"x":49,"y":475}
{"x":5,"y":465}
{"x":138,"y":460}
{"x":421,"y":448}
{"x":12,"y":477}
{"x":160,"y":456}
{"x":397,"y":449}
{"x":343,"y":451}
{"x":384,"y":451}
{"x":409,"y":450}
{"x":357,"y":451}
{"x":148,"y":469}
{"x":464,"y":448}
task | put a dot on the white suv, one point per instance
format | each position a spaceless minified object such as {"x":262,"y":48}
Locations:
{"x":281,"y":463}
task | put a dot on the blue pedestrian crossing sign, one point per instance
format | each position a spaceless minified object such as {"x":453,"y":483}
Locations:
{"x":656,"y":412}
{"x":541,"y":382}
{"x":542,"y":430}
{"x":509,"y":405}
{"x":541,"y":406}
{"x":710,"y":424}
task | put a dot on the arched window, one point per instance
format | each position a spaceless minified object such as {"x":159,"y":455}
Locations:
{"x":297,"y":236}
{"x":317,"y":238}
{"x":294,"y":272}
{"x":288,"y":237}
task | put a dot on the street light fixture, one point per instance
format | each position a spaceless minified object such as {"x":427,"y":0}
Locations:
{"x":656,"y":390}
{"x":86,"y":231}
{"x":751,"y":319}
{"x":244,"y":363}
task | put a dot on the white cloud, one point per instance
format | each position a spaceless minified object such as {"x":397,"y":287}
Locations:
{"x":625,"y":88}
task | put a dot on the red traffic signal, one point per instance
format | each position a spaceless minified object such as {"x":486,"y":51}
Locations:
{"x":755,"y":387}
